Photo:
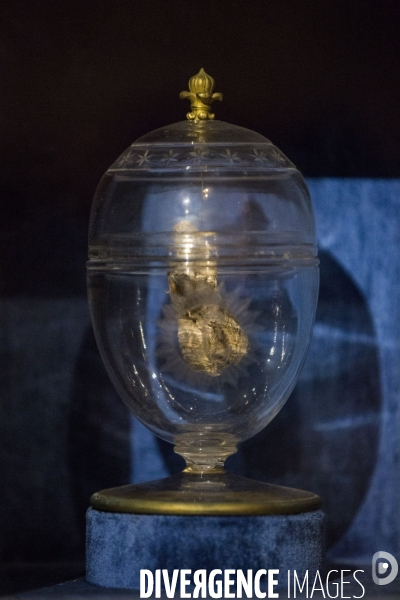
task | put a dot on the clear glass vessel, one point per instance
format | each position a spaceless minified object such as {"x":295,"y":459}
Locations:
{"x":203,"y":283}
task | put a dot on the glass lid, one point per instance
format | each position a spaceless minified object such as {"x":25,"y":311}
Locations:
{"x":227,"y":187}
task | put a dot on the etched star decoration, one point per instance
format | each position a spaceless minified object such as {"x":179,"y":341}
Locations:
{"x":278,"y":157}
{"x":123,"y":160}
{"x":229,"y":155}
{"x":199,"y":152}
{"x":259,"y":156}
{"x":169,"y":157}
{"x":143,"y":158}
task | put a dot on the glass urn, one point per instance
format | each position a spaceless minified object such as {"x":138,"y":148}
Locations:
{"x":203,"y":284}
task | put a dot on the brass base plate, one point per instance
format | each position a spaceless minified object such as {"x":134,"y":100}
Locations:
{"x":204,"y":494}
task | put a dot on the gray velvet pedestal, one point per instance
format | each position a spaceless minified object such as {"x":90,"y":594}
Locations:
{"x":119,"y":545}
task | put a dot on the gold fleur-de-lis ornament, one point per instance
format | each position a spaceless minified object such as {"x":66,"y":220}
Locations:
{"x":201,"y":96}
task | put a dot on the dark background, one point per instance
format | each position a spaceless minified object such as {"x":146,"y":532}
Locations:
{"x":82,"y":79}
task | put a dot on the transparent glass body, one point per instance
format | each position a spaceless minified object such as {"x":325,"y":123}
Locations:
{"x":203,"y":283}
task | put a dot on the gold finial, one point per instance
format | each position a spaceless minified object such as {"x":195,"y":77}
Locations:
{"x":201,"y":95}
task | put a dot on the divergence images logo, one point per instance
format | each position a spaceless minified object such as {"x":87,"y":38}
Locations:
{"x":383,"y":568}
